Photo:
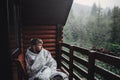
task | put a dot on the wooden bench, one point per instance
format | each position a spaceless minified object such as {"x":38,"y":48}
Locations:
{"x":21,"y":68}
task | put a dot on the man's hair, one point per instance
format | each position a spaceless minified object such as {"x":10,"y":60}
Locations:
{"x":35,"y":41}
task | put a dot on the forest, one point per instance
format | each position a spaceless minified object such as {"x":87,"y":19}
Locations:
{"x":94,"y":28}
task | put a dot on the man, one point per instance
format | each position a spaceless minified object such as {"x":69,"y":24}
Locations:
{"x":39,"y":63}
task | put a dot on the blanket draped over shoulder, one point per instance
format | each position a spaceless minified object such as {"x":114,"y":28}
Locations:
{"x":41,"y":65}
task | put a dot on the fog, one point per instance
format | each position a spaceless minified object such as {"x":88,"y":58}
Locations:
{"x":90,"y":24}
{"x":103,"y":3}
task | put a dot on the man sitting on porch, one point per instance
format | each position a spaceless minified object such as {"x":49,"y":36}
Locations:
{"x":40,"y":64}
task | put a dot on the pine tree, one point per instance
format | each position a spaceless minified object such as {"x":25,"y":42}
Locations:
{"x":94,"y":10}
{"x":115,"y":37}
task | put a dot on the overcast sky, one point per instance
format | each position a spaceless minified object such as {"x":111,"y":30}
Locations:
{"x":103,"y":3}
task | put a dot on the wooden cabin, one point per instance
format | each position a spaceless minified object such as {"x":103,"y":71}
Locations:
{"x":45,"y":19}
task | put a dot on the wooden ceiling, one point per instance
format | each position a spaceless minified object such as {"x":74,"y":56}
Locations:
{"x":45,"y":12}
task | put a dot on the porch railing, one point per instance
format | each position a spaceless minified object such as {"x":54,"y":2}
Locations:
{"x":83,"y":64}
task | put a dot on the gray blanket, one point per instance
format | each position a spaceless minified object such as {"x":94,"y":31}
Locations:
{"x":42,"y":65}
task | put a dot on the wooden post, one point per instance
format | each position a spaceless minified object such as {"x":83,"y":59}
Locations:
{"x":60,"y":47}
{"x":58,"y":39}
{"x":71,"y":63}
{"x":91,"y":64}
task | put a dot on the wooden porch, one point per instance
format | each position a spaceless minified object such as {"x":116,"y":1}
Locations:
{"x":47,"y":22}
{"x":82,"y":67}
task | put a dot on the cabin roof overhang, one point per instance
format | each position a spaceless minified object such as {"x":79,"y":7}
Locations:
{"x":45,"y":12}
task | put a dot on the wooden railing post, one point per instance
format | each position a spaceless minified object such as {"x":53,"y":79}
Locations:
{"x":91,"y":64}
{"x":59,"y":55}
{"x":71,"y":63}
{"x":58,"y":39}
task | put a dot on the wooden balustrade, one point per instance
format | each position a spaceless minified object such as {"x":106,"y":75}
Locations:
{"x":82,"y":63}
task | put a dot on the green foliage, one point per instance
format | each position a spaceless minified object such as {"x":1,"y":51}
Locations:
{"x":96,"y":27}
{"x":100,"y":29}
{"x":114,"y":48}
{"x":91,"y":29}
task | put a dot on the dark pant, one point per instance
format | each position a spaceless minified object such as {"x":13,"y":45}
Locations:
{"x":36,"y":78}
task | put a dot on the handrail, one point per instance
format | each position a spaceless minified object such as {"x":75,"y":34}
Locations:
{"x":15,"y":53}
{"x":113,"y":60}
{"x":92,"y":68}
